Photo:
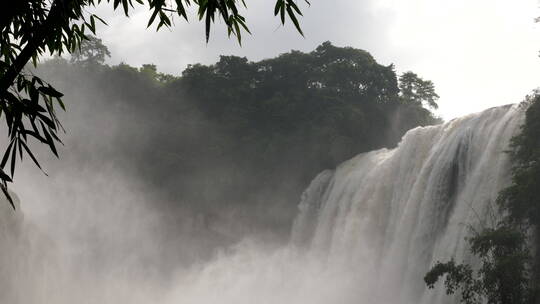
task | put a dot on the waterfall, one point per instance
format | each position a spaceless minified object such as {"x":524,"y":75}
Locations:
{"x":390,"y":214}
{"x":368,"y":231}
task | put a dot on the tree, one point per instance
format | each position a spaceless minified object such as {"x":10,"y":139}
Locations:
{"x":31,"y":28}
{"x":503,"y":276}
{"x":92,"y":51}
{"x":415,"y":90}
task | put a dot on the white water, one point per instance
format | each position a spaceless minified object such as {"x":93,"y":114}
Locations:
{"x":366,"y":232}
{"x":369,"y":231}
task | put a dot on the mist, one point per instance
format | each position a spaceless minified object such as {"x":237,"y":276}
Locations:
{"x":205,"y":188}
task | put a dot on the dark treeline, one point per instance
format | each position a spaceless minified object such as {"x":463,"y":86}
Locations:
{"x":236,"y":138}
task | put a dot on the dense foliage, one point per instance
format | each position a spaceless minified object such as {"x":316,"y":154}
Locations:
{"x":503,"y":276}
{"x":521,"y":199}
{"x":509,"y":269}
{"x":246,"y":136}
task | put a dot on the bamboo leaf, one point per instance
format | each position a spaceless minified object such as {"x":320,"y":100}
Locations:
{"x":282,"y":11}
{"x":151,"y":20}
{"x":13,"y":159}
{"x":125,"y":4}
{"x":31,"y":155}
{"x":277,"y":7}
{"x":6,"y":193}
{"x":50,"y":91}
{"x":295,"y":7}
{"x":294,"y":20}
{"x":4,"y":177}
{"x":6,"y":155}
{"x":238,"y":34}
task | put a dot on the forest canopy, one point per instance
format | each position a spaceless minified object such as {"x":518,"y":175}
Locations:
{"x":270,"y":125}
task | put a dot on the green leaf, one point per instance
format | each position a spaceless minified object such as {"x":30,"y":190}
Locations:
{"x":4,"y":177}
{"x":35,"y":135}
{"x":181,"y":9}
{"x":20,"y":148}
{"x":50,"y":142}
{"x":238,"y":34}
{"x":46,"y":120}
{"x":293,"y":5}
{"x":151,"y":20}
{"x":208,"y":24}
{"x":125,"y":4}
{"x":294,"y":20}
{"x":13,"y":159}
{"x":61,"y":103}
{"x":101,"y":20}
{"x":282,"y":11}
{"x":6,"y":193}
{"x":92,"y":25}
{"x":34,"y":94}
{"x":50,"y":91}
{"x":6,"y":155}
{"x":240,"y":20}
{"x":277,"y":7}
{"x":30,"y":154}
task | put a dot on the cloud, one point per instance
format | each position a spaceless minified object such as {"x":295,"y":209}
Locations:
{"x":479,"y":53}
{"x":172,"y":49}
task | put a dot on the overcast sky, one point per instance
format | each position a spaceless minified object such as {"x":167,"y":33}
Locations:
{"x":479,"y":53}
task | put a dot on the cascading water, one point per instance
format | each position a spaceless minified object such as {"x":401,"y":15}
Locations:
{"x":368,"y":231}
{"x":390,"y":214}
